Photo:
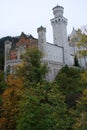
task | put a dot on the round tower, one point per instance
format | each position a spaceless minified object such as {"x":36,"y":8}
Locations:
{"x":59,"y":26}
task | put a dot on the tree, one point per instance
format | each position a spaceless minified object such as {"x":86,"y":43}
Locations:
{"x":3,"y":87}
{"x":2,"y":82}
{"x":82,"y":43}
{"x":69,"y":80}
{"x":81,"y":112}
{"x":10,"y":98}
{"x":31,"y":69}
{"x":43,"y":108}
{"x":84,"y":78}
{"x":72,"y":82}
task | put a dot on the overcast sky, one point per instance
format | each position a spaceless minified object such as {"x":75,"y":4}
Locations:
{"x":26,"y":16}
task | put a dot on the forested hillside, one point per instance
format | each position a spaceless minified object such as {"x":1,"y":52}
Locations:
{"x":28,"y":101}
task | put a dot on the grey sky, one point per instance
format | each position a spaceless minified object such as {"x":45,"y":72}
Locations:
{"x":26,"y":16}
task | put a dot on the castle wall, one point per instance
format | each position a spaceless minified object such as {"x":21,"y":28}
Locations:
{"x":53,"y":53}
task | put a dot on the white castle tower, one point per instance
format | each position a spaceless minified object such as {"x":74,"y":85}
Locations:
{"x":59,"y":25}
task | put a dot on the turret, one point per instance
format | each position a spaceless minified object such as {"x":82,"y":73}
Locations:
{"x":58,"y":11}
{"x":41,"y":37}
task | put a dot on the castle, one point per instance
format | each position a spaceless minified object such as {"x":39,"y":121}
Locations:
{"x":56,"y":55}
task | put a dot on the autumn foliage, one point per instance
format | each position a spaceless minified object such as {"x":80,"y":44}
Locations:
{"x":11,"y":97}
{"x":29,"y":102}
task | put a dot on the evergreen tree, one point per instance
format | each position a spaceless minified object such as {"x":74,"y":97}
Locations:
{"x":69,"y":80}
{"x":81,"y":113}
{"x":43,"y":108}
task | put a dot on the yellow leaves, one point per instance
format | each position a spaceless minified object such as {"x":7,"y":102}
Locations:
{"x":20,"y":65}
{"x":71,"y":111}
{"x":80,"y":40}
{"x":11,"y":97}
{"x":85,"y":92}
{"x":82,"y":53}
{"x":82,"y":102}
{"x":13,"y":93}
{"x":84,"y":97}
{"x":13,"y":81}
{"x":77,"y":125}
{"x":84,"y":76}
{"x":80,"y":121}
{"x":6,"y":92}
{"x":82,"y":45}
{"x":84,"y":81}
